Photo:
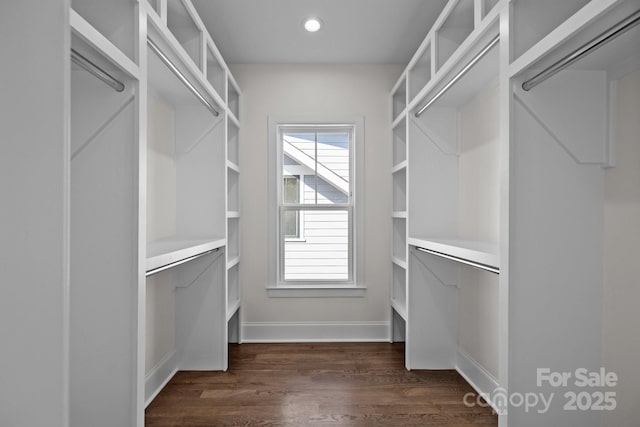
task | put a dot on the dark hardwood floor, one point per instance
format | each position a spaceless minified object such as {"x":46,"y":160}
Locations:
{"x":327,"y":384}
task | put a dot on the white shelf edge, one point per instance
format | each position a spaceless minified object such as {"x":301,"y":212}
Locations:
{"x":400,"y":263}
{"x":399,"y":214}
{"x":234,"y":120}
{"x":171,"y":250}
{"x":398,"y":83}
{"x":232,"y":262}
{"x":83,"y":29}
{"x":399,"y":119}
{"x":482,"y":252}
{"x":400,"y":166}
{"x":400,"y":116}
{"x":233,"y":214}
{"x":398,"y":307}
{"x":234,"y":83}
{"x":232,"y":116}
{"x":234,"y":167}
{"x":233,"y":309}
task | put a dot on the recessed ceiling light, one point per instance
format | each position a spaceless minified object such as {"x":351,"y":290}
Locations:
{"x":312,"y":25}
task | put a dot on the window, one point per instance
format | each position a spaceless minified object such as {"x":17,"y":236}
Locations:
{"x":315,"y":214}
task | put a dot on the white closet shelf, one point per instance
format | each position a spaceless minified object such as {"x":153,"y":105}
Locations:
{"x":234,"y":119}
{"x":476,"y":251}
{"x":233,"y":214}
{"x":399,"y":214}
{"x":399,"y":307}
{"x":400,"y":166}
{"x":232,"y":308}
{"x":231,"y":165}
{"x":398,"y":120}
{"x":233,"y":262}
{"x":400,"y":263}
{"x":174,"y":249}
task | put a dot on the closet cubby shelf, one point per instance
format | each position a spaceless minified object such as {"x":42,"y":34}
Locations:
{"x":400,"y":308}
{"x":171,"y":250}
{"x":400,"y":166}
{"x":233,"y":118}
{"x":400,"y":263}
{"x":399,"y":214}
{"x":234,"y":167}
{"x":233,"y":214}
{"x":476,"y":251}
{"x":232,"y":308}
{"x":232,"y":262}
{"x":398,"y":120}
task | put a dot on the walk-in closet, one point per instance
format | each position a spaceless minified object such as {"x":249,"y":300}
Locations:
{"x":454,"y":183}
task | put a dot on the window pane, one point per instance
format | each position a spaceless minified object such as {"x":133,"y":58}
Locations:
{"x":323,"y":158}
{"x":333,"y":154}
{"x":324,"y":253}
{"x":291,"y":224}
{"x":291,"y":190}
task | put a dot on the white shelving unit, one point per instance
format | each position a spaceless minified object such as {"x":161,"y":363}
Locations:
{"x":485,"y":160}
{"x":564,"y":128}
{"x":233,"y":210}
{"x":399,"y":210}
{"x":193,"y":212}
{"x":103,"y":192}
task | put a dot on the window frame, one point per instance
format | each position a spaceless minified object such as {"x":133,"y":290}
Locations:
{"x":354,"y":286}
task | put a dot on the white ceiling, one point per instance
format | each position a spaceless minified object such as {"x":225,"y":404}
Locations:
{"x":354,"y":31}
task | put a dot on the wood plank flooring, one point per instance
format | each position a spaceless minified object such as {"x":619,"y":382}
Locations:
{"x":326,"y":384}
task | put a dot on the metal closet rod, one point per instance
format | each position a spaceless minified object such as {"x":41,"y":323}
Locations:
{"x":80,"y":60}
{"x":458,"y":76}
{"x":479,"y":265}
{"x":180,"y":262}
{"x":181,"y":76}
{"x":593,"y":44}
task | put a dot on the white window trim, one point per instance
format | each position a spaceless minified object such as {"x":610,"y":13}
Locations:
{"x":354,"y":288}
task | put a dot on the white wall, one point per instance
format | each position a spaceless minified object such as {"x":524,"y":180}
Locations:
{"x":282,"y":90}
{"x":479,"y":218}
{"x":34,"y":307}
{"x":621,"y":266}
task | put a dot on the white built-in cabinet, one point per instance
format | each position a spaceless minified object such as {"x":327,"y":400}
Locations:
{"x":154,"y":205}
{"x":498,"y":196}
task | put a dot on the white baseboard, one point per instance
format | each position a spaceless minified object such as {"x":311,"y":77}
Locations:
{"x":477,"y":376}
{"x":159,"y":376}
{"x":315,"y":332}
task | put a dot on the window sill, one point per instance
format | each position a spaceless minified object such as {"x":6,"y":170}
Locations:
{"x":316,"y":292}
